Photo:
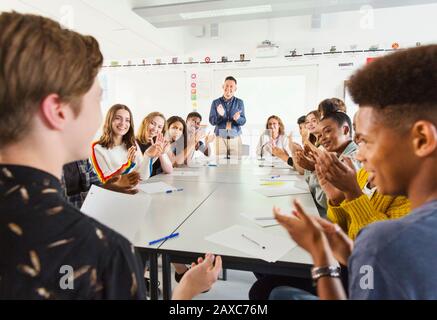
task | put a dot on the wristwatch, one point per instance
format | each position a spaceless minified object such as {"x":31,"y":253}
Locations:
{"x":327,"y":271}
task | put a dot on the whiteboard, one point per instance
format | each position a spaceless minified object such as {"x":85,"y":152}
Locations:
{"x":288,"y":92}
{"x":144,"y":91}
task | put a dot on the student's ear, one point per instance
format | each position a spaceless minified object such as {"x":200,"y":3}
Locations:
{"x":346,"y":130}
{"x":54,"y":112}
{"x":424,"y":135}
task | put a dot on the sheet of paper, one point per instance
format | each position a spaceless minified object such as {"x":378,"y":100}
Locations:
{"x":121,"y":212}
{"x":155,"y":187}
{"x":284,"y":189}
{"x":181,"y":173}
{"x":261,"y":219}
{"x":253,"y":242}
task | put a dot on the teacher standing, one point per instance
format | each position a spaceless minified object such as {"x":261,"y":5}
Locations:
{"x":227,"y":115}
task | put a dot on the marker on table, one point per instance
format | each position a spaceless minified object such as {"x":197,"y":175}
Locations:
{"x":177,"y":190}
{"x":266,"y":165}
{"x":274,"y":177}
{"x":253,"y":241}
{"x":163,"y":239}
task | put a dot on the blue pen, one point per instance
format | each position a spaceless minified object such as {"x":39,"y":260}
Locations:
{"x":163,"y":239}
{"x":274,"y":177}
{"x":177,"y":190}
{"x":212,"y":165}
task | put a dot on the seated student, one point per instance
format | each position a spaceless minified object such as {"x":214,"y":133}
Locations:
{"x":116,"y":152}
{"x":151,"y":142}
{"x":182,"y":144}
{"x":290,"y":159}
{"x":312,"y":120}
{"x":78,"y":177}
{"x":396,"y":127}
{"x":331,"y":105}
{"x":194,"y":120}
{"x":275,"y":138}
{"x":353,"y":198}
{"x":53,"y":105}
{"x":336,"y":137}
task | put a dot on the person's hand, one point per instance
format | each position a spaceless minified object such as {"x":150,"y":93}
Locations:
{"x":280,"y":153}
{"x":209,"y":138}
{"x":199,"y":135}
{"x":304,"y":162}
{"x":157,"y":147}
{"x":131,"y":153}
{"x":341,"y":174}
{"x":236,"y":116}
{"x":220,"y":110}
{"x":304,"y":230}
{"x":199,"y":278}
{"x":334,"y":195}
{"x":339,"y":242}
{"x":124,"y":183}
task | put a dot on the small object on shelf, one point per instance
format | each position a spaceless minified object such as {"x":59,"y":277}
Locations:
{"x":190,"y":59}
{"x":418,"y":44}
{"x":242,"y":56}
{"x":158,"y":61}
{"x":207,"y":59}
{"x":224,"y":59}
{"x":395,"y":45}
{"x":174,"y":60}
{"x":293,"y":52}
{"x":333,"y":49}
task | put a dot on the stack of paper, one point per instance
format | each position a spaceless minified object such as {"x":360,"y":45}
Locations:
{"x":281,"y":178}
{"x":122,"y":212}
{"x":256,"y":243}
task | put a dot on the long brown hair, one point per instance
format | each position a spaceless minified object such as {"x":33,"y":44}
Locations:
{"x":142,"y":132}
{"x":107,"y":138}
{"x":281,"y":124}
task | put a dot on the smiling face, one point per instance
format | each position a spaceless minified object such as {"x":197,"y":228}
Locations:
{"x":384,"y":153}
{"x":121,"y":122}
{"x":155,"y":126}
{"x":176,"y":130}
{"x":332,"y":137}
{"x":193,"y":124}
{"x":229,"y":88}
{"x":311,"y":123}
{"x":273,"y":125}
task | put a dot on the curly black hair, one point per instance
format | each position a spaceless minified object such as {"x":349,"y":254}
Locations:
{"x":401,"y":85}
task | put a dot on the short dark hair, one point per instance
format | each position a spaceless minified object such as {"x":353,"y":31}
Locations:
{"x":340,"y":118}
{"x":402,"y":86}
{"x":331,"y":105}
{"x":301,"y":120}
{"x":194,"y":114}
{"x":231,"y":78}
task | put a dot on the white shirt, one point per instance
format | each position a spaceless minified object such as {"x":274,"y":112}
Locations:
{"x":265,"y":145}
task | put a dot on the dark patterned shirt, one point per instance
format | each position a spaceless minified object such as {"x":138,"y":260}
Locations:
{"x":50,"y":250}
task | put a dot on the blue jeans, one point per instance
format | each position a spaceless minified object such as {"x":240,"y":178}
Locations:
{"x":289,"y":293}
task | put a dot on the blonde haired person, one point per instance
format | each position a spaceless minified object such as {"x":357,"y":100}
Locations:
{"x":150,"y":139}
{"x":275,"y":138}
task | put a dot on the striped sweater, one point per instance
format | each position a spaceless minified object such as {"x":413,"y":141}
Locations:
{"x":354,"y":215}
{"x":111,"y":162}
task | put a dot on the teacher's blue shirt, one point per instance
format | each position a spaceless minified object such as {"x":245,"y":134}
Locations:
{"x":231,"y":107}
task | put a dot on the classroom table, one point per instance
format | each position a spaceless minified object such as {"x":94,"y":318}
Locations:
{"x":229,"y":193}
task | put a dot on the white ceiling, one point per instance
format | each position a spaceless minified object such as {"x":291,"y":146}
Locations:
{"x":121,"y":33}
{"x":167,"y":13}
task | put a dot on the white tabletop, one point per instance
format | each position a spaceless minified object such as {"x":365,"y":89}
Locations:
{"x":234,"y":195}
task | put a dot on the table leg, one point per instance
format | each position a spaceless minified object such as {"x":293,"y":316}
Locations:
{"x":166,"y":277}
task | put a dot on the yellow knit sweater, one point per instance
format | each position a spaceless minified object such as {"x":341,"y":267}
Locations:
{"x":354,"y":215}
